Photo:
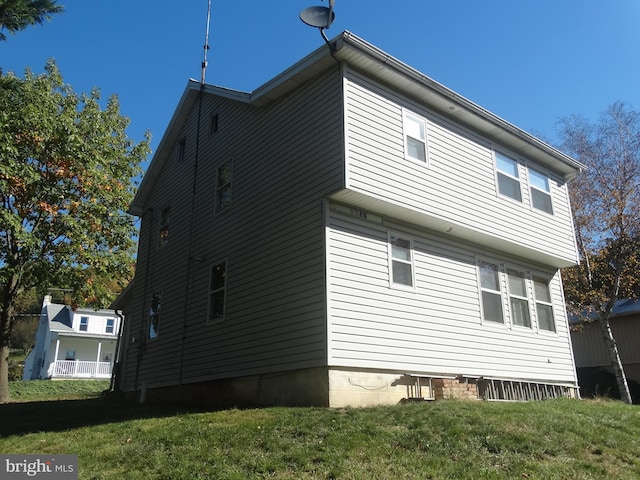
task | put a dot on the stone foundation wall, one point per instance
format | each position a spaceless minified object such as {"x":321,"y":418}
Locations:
{"x":455,"y":388}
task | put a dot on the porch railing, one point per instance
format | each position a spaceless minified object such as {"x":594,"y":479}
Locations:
{"x":80,"y":369}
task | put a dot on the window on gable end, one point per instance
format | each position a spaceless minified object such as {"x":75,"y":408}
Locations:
{"x":540,"y":191}
{"x":163,"y":237}
{"x":154,"y":314}
{"x":415,"y":137}
{"x":217,"y":292}
{"x":508,"y":176}
{"x":544,"y":307}
{"x":224,"y":177}
{"x":490,"y":292}
{"x":518,"y":298}
{"x":401,"y":261}
{"x":213,"y":123}
{"x":182,"y":145}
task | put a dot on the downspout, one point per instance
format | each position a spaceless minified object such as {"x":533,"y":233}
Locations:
{"x":116,"y":361}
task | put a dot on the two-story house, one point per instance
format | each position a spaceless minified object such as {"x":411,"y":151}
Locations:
{"x":350,"y":233}
{"x":70,"y":343}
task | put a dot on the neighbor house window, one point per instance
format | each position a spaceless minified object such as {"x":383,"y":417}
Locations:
{"x":401,"y":260}
{"x":182,"y":145}
{"x":164,"y":226}
{"x":544,"y":307}
{"x":540,"y":191}
{"x":84,"y":324}
{"x":490,"y":292}
{"x":508,"y":177}
{"x":154,"y":315}
{"x":223,"y":186}
{"x":217,"y":291}
{"x":415,"y":136}
{"x":518,"y":302}
{"x":111,"y":325}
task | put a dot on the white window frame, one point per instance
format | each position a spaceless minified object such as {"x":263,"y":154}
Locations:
{"x":546,"y":191}
{"x":482,"y":289}
{"x":548,"y":279}
{"x":508,"y":175}
{"x":391,"y":235}
{"x":217,"y":290}
{"x":514,"y":296}
{"x":110,"y":328}
{"x":408,"y":114}
{"x":84,"y":324}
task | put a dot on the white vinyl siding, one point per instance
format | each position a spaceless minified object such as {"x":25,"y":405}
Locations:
{"x":436,"y":328}
{"x":457,"y":190}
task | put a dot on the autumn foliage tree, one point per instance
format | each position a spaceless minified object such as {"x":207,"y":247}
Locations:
{"x":606,"y":205}
{"x":66,"y":178}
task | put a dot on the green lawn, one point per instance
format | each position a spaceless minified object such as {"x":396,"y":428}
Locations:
{"x":559,"y":439}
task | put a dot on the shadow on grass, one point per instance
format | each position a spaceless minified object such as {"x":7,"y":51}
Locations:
{"x":60,"y":415}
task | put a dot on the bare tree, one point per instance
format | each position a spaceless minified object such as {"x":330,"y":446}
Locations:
{"x":606,"y":209}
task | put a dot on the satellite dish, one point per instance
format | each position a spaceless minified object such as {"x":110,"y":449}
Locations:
{"x":319,"y":17}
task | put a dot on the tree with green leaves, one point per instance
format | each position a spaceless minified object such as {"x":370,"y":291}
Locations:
{"x":606,"y":208}
{"x":67,"y":170}
{"x":16,"y":15}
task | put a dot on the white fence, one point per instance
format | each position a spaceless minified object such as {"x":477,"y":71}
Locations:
{"x":80,"y":369}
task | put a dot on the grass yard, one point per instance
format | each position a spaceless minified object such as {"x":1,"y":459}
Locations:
{"x":559,"y":439}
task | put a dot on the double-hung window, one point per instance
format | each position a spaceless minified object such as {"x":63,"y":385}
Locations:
{"x":401,"y":261}
{"x":518,"y":300}
{"x":84,"y":324}
{"x":111,"y":324}
{"x":415,"y":136}
{"x":217,"y":292}
{"x":223,"y":186}
{"x":491,"y":293}
{"x":163,"y":237}
{"x":154,"y":315}
{"x":540,"y":191}
{"x":508,"y":176}
{"x":544,"y":307}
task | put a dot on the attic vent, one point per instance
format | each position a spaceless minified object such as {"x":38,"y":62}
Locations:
{"x":511,"y":390}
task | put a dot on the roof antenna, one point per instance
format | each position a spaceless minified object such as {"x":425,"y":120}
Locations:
{"x":206,"y":45}
{"x":320,"y":17}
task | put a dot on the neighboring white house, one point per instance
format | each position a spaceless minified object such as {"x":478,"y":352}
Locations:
{"x":71,"y":343}
{"x":350,"y":233}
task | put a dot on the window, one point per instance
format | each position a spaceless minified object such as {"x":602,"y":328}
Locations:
{"x":544,"y":307}
{"x":508,"y":177}
{"x":415,"y":133}
{"x":517,"y":283}
{"x":84,"y":324}
{"x":401,"y":259}
{"x":154,"y":315}
{"x":223,"y":186}
{"x":182,"y":144}
{"x":490,"y":292}
{"x":111,"y":324}
{"x":71,"y":355}
{"x":217,"y":291}
{"x":540,"y":191}
{"x":213,"y":123}
{"x":164,"y":226}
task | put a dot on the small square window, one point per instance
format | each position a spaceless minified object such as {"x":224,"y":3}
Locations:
{"x":508,"y":177}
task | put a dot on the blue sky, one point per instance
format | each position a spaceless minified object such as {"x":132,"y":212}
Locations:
{"x":528,"y":61}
